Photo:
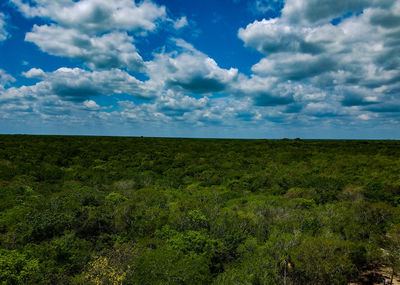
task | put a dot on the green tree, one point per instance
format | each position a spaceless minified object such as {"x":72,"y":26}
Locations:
{"x":322,"y":261}
{"x":17,"y":268}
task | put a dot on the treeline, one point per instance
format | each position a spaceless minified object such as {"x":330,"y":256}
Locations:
{"x":102,"y":210}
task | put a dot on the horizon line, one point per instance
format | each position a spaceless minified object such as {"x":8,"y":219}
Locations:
{"x":199,"y":138}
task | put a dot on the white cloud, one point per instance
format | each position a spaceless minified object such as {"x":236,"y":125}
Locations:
{"x":3,"y":31}
{"x":34,"y":73}
{"x":67,"y":94}
{"x":263,"y":91}
{"x":276,"y":35}
{"x":321,"y":109}
{"x":191,"y":111}
{"x":180,"y":23}
{"x":189,"y":71}
{"x":294,"y":66}
{"x":111,"y":50}
{"x":78,"y":85}
{"x":91,"y":105}
{"x":177,"y":104}
{"x":167,"y":108}
{"x":96,"y":16}
{"x":317,"y":11}
{"x":364,"y":117}
{"x":5,"y":78}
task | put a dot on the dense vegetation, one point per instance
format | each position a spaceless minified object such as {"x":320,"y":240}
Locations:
{"x":99,"y":210}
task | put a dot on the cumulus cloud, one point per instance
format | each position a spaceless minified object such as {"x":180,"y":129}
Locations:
{"x":189,"y":70}
{"x":357,"y":96}
{"x":317,"y":11}
{"x":263,"y":91}
{"x":3,"y":31}
{"x":351,"y":64}
{"x":321,"y":109}
{"x":78,"y":85}
{"x":34,"y":73}
{"x":67,"y":94}
{"x":294,"y":66}
{"x":111,"y":50}
{"x":274,"y":35}
{"x":190,"y":111}
{"x":91,"y":105}
{"x":96,"y":16}
{"x":167,"y":108}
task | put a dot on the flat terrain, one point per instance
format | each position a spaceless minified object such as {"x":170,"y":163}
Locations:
{"x":111,"y":210}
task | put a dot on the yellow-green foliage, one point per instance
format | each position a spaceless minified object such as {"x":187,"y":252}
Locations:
{"x":101,"y":272}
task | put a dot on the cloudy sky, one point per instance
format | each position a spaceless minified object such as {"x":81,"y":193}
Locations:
{"x":226,"y":68}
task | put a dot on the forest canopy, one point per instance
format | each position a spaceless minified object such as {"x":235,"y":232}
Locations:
{"x":113,"y":210}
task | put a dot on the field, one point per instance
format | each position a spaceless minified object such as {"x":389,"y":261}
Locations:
{"x":107,"y":210}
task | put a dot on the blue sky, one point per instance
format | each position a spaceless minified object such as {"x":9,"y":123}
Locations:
{"x":226,"y":68}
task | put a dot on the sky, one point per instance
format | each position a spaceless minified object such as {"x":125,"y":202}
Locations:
{"x":326,"y":69}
